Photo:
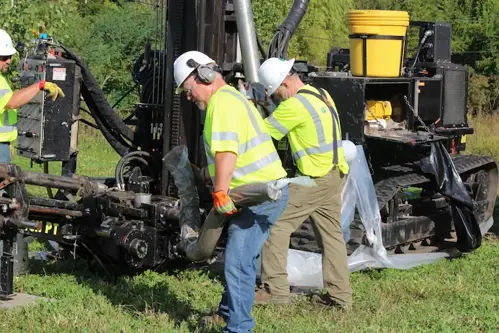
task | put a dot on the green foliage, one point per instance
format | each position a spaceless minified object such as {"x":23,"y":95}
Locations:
{"x":110,"y":34}
{"x":111,"y":44}
{"x":322,"y":27}
{"x":107,"y":35}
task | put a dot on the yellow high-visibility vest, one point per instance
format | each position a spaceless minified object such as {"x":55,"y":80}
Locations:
{"x":233,"y":124}
{"x":8,"y":118}
{"x":313,"y":129}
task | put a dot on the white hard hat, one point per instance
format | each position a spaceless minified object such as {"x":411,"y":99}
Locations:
{"x":349,"y":150}
{"x":181,"y":70}
{"x":273,"y":71}
{"x":6,"y":46}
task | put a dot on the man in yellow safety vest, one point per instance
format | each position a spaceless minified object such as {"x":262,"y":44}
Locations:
{"x":239,"y":151}
{"x":10,"y":101}
{"x":308,"y":117}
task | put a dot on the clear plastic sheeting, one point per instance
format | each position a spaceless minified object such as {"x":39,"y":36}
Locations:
{"x":305,"y":268}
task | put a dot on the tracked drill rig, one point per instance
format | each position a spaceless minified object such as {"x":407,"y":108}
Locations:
{"x":133,"y":219}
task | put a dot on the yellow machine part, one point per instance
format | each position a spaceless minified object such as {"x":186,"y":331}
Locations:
{"x":378,"y":109}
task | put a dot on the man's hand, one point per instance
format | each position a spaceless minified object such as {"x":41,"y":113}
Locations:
{"x":223,"y":203}
{"x":53,"y":90}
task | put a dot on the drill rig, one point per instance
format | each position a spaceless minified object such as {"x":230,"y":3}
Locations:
{"x":133,"y":220}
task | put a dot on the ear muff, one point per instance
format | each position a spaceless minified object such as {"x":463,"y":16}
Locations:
{"x":205,"y":73}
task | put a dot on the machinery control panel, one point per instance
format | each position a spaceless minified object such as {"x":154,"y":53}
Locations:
{"x":47,"y":130}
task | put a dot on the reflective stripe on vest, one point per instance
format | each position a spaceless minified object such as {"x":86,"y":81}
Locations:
{"x":6,"y":128}
{"x":277,"y":125}
{"x":3,"y":92}
{"x":323,"y":146}
{"x":257,"y":140}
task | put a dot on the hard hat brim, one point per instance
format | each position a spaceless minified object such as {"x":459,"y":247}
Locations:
{"x":9,"y":52}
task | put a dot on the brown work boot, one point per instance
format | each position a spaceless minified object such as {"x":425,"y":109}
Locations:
{"x":326,"y":300}
{"x":263,"y":296}
{"x":212,"y":320}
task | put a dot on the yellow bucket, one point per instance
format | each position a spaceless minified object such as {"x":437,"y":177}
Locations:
{"x":377,"y":42}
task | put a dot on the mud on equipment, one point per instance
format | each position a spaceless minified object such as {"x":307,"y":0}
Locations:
{"x":377,"y":42}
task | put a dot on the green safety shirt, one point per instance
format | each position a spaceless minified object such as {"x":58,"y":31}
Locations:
{"x":233,"y":124}
{"x":313,"y":130}
{"x":8,"y":118}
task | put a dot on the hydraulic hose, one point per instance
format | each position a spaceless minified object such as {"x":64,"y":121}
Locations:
{"x":280,"y":41}
{"x":99,"y":101}
{"x":295,"y":15}
{"x":119,"y":147}
{"x":134,"y":155}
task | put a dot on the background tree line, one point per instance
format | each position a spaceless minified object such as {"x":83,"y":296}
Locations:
{"x":110,"y":35}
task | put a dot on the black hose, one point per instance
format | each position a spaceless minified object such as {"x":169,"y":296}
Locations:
{"x":260,"y":47}
{"x":133,"y":158}
{"x":295,"y":16}
{"x":120,"y":148}
{"x":118,"y":174}
{"x":98,"y":99}
{"x":280,"y":41}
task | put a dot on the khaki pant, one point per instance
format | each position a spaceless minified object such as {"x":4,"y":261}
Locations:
{"x":323,"y":204}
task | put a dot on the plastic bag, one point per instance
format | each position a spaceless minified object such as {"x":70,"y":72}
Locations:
{"x":441,"y":166}
{"x":177,"y":163}
{"x":305,"y":268}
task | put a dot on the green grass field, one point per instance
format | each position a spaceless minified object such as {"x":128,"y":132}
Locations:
{"x":449,"y":296}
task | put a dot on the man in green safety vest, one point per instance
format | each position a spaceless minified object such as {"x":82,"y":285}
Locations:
{"x":308,"y":117}
{"x":239,"y":151}
{"x":10,"y":101}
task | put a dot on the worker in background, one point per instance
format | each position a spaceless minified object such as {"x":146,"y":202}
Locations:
{"x":239,"y":151}
{"x":10,"y":101}
{"x":308,"y":117}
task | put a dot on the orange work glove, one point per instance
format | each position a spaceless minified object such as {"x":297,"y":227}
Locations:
{"x":223,"y":203}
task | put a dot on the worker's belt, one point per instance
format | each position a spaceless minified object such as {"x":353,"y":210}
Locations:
{"x":298,"y":173}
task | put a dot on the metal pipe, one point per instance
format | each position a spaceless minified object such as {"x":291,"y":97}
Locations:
{"x":54,"y":211}
{"x":36,"y":178}
{"x":55,"y":203}
{"x":13,"y":173}
{"x":247,"y":38}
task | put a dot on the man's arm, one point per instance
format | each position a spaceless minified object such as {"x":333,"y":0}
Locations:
{"x":283,"y":119}
{"x":23,"y":96}
{"x":225,"y":164}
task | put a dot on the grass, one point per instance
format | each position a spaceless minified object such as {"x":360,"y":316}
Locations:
{"x":461,"y":295}
{"x":485,"y":140}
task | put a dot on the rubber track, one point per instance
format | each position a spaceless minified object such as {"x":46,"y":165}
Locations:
{"x":387,"y":188}
{"x":407,"y":175}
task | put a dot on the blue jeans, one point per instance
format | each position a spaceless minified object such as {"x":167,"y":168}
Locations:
{"x":4,"y":153}
{"x":246,"y":235}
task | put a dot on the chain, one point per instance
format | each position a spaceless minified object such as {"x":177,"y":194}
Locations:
{"x":380,"y":126}
{"x":417,"y":116}
{"x":371,"y":169}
